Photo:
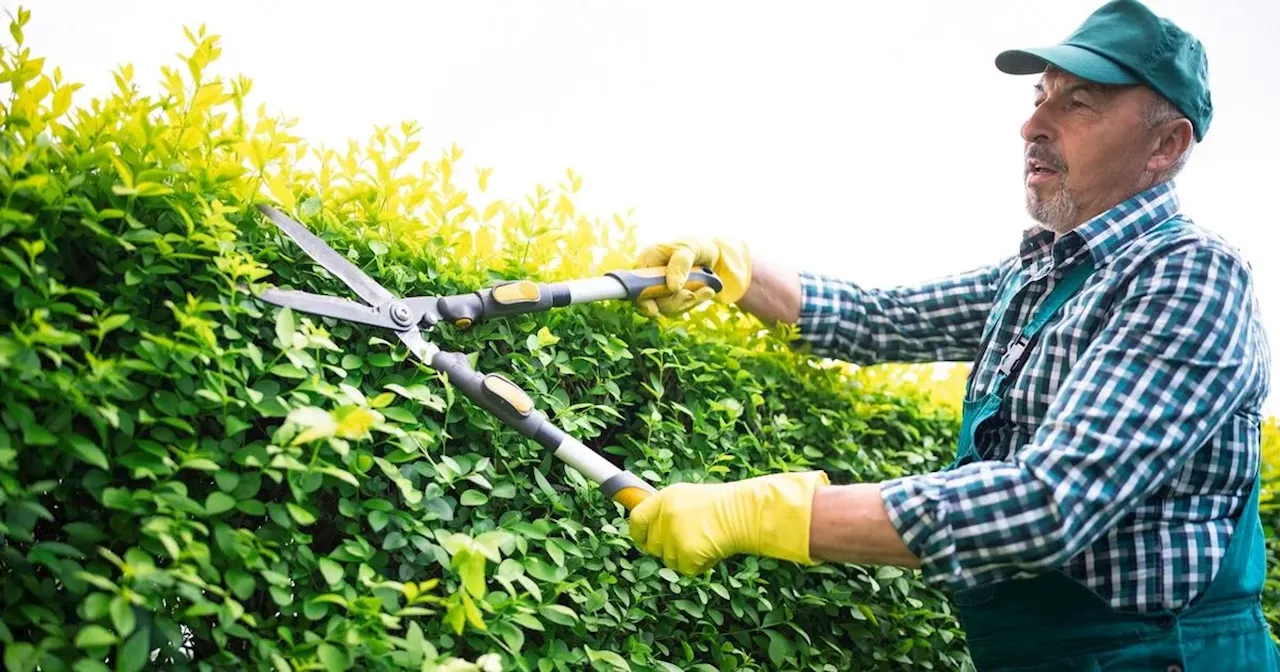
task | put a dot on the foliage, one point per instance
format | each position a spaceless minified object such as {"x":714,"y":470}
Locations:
{"x":190,"y":475}
{"x":1271,"y":520}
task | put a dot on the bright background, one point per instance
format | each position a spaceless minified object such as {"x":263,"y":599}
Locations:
{"x":873,"y":140}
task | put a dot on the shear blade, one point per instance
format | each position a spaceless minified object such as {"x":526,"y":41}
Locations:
{"x":364,"y":286}
{"x":329,"y":306}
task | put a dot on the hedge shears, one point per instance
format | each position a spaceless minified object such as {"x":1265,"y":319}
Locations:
{"x":410,"y":316}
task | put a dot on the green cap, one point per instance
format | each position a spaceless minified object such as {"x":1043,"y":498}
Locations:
{"x":1123,"y":42}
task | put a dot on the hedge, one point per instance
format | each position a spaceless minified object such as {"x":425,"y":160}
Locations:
{"x":191,"y":477}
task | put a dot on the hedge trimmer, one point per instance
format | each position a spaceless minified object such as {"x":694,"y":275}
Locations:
{"x":410,"y":316}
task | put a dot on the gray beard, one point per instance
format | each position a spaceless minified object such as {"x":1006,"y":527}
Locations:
{"x":1056,"y":213}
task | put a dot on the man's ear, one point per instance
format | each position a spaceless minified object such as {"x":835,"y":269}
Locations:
{"x":1172,"y":139}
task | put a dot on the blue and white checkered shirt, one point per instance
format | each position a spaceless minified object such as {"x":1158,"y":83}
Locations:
{"x":1131,"y":437}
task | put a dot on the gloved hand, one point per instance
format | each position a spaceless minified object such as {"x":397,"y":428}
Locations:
{"x":728,"y":259}
{"x":694,"y":526}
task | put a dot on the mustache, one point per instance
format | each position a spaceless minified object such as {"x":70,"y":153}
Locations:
{"x":1046,"y":156}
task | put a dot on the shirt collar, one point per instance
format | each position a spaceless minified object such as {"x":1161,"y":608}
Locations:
{"x":1106,"y":234}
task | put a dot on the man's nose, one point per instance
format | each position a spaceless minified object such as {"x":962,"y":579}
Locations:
{"x":1038,"y":127}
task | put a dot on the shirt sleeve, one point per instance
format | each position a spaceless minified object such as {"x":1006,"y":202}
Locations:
{"x":940,"y":320}
{"x":1177,"y":355}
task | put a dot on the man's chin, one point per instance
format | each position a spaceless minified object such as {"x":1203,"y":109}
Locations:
{"x":1049,"y":215}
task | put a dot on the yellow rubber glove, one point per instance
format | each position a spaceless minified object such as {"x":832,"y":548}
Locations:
{"x":691,"y":527}
{"x":729,"y":259}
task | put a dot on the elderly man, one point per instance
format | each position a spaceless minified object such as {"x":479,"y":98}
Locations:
{"x":1102,"y":508}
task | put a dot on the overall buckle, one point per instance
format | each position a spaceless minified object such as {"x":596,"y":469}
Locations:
{"x":1012,"y":353}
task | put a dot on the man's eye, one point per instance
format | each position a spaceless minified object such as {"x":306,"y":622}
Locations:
{"x":1079,"y":103}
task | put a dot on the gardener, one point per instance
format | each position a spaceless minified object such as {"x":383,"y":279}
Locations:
{"x":1102,"y":509}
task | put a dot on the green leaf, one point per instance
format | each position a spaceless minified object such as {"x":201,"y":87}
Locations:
{"x":200,"y":464}
{"x":541,"y":570}
{"x":218,"y":503}
{"x":227,"y":480}
{"x":558,"y":613}
{"x":341,"y":475}
{"x":780,"y":648}
{"x":87,"y":451}
{"x":310,"y":207}
{"x":20,"y":656}
{"x":241,"y":583}
{"x":333,"y":658}
{"x":394,"y":541}
{"x":473,"y":498}
{"x":288,"y":370}
{"x":135,"y":652}
{"x":528,"y":621}
{"x":91,"y":636}
{"x":122,"y":618}
{"x":37,"y":435}
{"x":608,"y":657}
{"x":888,"y":573}
{"x":285,"y":327}
{"x":96,"y":606}
{"x":331,"y":571}
{"x":511,"y":635}
{"x":117,"y":498}
{"x":299,"y":514}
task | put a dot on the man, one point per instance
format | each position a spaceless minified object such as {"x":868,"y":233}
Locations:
{"x":1101,"y":512}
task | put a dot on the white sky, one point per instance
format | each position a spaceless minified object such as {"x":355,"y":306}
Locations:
{"x":874,"y":140}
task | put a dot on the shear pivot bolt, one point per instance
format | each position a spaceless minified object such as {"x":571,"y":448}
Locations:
{"x":400,"y":313}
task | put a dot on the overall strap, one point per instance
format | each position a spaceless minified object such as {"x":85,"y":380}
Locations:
{"x":1016,"y":351}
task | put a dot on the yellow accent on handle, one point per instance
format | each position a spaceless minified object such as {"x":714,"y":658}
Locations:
{"x":523,"y":291}
{"x":654,"y":291}
{"x":462,"y":323}
{"x":631,"y":497}
{"x":514,"y":396}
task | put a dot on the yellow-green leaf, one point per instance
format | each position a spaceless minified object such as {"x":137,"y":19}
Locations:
{"x":299,"y":514}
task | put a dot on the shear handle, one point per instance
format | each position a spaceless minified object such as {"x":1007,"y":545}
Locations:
{"x":513,"y":406}
{"x":524,"y":296}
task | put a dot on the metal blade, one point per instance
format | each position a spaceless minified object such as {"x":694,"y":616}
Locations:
{"x":423,"y":349}
{"x":326,"y":256}
{"x":330,"y":306}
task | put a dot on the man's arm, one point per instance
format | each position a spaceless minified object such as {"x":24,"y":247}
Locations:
{"x":933,"y":321}
{"x":1177,"y":358}
{"x":941,"y":320}
{"x":850,"y":525}
{"x":774,"y":293}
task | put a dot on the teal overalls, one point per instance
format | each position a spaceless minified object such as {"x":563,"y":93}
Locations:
{"x":1053,"y":622}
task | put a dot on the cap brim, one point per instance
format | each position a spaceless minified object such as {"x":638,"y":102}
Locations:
{"x":1078,"y":61}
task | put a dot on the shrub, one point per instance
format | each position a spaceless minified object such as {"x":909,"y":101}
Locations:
{"x":192,"y":476}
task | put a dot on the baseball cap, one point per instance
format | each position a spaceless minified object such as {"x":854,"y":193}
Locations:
{"x":1124,"y":42}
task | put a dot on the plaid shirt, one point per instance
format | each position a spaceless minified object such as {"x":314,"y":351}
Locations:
{"x":1131,"y":437}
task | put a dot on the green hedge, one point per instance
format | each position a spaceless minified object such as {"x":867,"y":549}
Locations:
{"x":188,"y":473}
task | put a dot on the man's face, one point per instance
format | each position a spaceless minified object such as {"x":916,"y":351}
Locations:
{"x":1088,"y":148}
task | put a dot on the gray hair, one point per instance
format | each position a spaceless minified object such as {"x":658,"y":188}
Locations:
{"x":1162,"y":111}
